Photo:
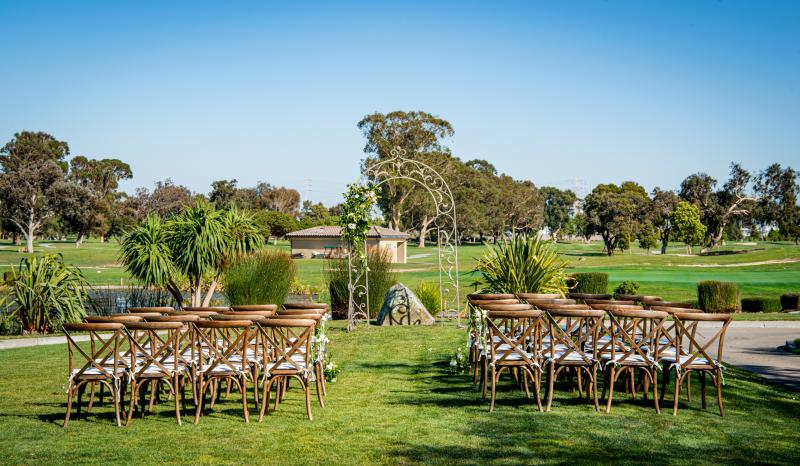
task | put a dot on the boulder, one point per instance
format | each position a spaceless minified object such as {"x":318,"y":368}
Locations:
{"x":402,"y":307}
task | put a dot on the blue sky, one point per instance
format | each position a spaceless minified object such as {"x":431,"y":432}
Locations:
{"x":603,"y":90}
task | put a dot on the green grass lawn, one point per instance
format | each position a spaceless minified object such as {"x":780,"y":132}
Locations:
{"x":395,"y":402}
{"x":762,"y":269}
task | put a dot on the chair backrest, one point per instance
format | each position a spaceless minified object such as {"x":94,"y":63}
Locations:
{"x":515,"y":335}
{"x":574,"y":330}
{"x":490,"y":296}
{"x":528,"y":296}
{"x":634,"y":332}
{"x":221,"y":340}
{"x":670,"y":304}
{"x":288,"y":341}
{"x":581,"y":296}
{"x":694,"y":350}
{"x":115,"y":318}
{"x":617,"y":307}
{"x":249,"y":313}
{"x":150,"y":310}
{"x":300,"y":312}
{"x":610,"y":301}
{"x":540,"y":303}
{"x":255,"y":307}
{"x":305,"y":306}
{"x":174,"y":318}
{"x":156,"y":347}
{"x":577,"y":307}
{"x":104,"y":348}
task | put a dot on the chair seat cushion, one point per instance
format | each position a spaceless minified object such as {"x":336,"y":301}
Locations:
{"x":684,"y":358}
{"x":633,"y":359}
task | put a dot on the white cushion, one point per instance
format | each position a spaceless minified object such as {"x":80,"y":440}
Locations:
{"x":632,"y":359}
{"x":684,"y":358}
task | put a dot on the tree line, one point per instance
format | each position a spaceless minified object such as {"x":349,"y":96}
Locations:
{"x":43,"y":194}
{"x":46,"y":194}
{"x":491,"y":204}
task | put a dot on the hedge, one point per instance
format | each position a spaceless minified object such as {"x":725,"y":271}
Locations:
{"x":589,"y":283}
{"x":713,"y":296}
{"x":790,"y":301}
{"x":761,"y":304}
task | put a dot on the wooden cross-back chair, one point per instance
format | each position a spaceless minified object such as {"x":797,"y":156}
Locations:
{"x":100,"y":364}
{"x":570,"y":330}
{"x":223,"y":350}
{"x":515,"y":346}
{"x":475,"y":301}
{"x":319,"y":345}
{"x":323,"y":306}
{"x":289,"y":352}
{"x":583,"y":296}
{"x":633,"y":345}
{"x":669,"y":347}
{"x":156,"y":358}
{"x":698,"y":356}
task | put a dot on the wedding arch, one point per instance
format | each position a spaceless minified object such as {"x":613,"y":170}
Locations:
{"x":396,"y":167}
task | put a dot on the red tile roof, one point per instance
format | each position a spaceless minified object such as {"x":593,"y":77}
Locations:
{"x":336,"y":231}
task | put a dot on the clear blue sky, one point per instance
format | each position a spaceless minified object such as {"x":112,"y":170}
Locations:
{"x":602,"y":90}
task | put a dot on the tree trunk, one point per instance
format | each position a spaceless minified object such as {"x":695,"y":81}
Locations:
{"x":80,"y":239}
{"x":423,"y":231}
{"x":29,"y":242}
{"x":210,"y":294}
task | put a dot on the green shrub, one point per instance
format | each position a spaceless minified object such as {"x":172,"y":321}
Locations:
{"x":790,"y":301}
{"x":47,"y":293}
{"x":428,"y":293}
{"x":714,"y":296}
{"x":9,"y":325}
{"x":589,"y":283}
{"x":627,"y":287}
{"x":381,"y":278}
{"x":523,"y":264}
{"x":761,"y":304}
{"x":262,"y":277}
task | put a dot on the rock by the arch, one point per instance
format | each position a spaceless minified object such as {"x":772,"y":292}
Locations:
{"x":402,"y":307}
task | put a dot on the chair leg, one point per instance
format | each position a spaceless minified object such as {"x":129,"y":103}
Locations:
{"x":131,"y":403}
{"x":612,"y":373}
{"x":537,"y":378}
{"x":718,"y":383}
{"x":688,"y":386}
{"x":201,"y":392}
{"x":318,"y":383}
{"x":175,"y":390}
{"x":91,"y":397}
{"x":70,"y":394}
{"x":115,"y":398}
{"x":652,"y":376}
{"x":308,"y":397}
{"x":323,"y":379}
{"x":703,"y":389}
{"x":664,"y":380}
{"x":243,"y":386}
{"x":678,"y":383}
{"x":595,"y":388}
{"x":494,"y":383}
{"x":265,"y":398}
{"x":551,"y":373}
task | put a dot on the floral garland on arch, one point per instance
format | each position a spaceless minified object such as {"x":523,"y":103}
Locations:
{"x":358,"y":202}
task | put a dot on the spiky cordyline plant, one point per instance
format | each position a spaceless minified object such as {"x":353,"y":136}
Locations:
{"x":522,"y":264}
{"x":193,"y":246}
{"x":47,"y":293}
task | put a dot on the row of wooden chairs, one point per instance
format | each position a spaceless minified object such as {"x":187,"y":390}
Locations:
{"x":530,"y":334}
{"x":201,"y":348}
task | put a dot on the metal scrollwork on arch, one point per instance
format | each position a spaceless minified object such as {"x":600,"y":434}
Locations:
{"x":398,"y":166}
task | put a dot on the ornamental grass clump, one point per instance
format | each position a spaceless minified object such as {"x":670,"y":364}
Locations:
{"x":761,"y":304}
{"x":790,"y":301}
{"x":46,"y":293}
{"x":381,"y":278}
{"x":263,"y":277}
{"x":428,"y":294}
{"x":589,"y":283}
{"x":522,"y":264}
{"x":714,"y":296}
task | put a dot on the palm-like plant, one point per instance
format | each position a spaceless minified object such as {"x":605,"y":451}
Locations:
{"x":522,"y":264}
{"x":148,"y":258}
{"x":47,"y":293}
{"x":192,"y":246}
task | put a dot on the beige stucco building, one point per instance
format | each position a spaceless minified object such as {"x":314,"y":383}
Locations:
{"x":326,"y":241}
